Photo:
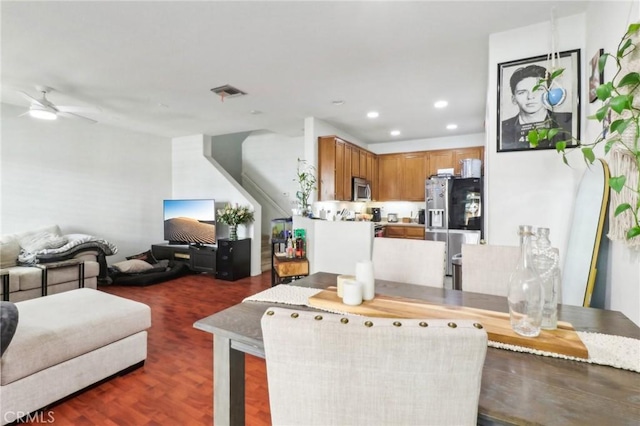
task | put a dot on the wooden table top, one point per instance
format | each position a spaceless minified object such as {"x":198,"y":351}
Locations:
{"x":517,"y":388}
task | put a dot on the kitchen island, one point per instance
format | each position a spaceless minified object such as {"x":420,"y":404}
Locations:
{"x":336,"y":246}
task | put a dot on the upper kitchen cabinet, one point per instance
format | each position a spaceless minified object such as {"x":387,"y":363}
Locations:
{"x":476,"y":152}
{"x":414,"y":174}
{"x":338,"y":162}
{"x":450,"y":158}
{"x":402,"y":176}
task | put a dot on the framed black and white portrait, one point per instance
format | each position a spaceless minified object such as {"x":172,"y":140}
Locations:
{"x":521,"y":109}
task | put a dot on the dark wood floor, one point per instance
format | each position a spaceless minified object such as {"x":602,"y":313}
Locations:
{"x":175,"y":386}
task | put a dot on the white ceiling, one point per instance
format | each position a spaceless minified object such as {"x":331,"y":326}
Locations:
{"x":149,"y":66}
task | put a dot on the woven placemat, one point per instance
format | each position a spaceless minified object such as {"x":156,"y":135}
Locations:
{"x":604,"y":349}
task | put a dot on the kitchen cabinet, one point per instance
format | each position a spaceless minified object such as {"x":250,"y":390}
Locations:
{"x":410,"y":232}
{"x":338,"y":162}
{"x":459,"y":154}
{"x":355,"y":162}
{"x":402,"y":176}
{"x":414,"y":176}
{"x":450,"y":158}
{"x":389,"y":177}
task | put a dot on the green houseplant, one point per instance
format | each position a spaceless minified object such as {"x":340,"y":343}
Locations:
{"x":306,"y":178}
{"x":620,"y":96}
{"x":234,"y":216}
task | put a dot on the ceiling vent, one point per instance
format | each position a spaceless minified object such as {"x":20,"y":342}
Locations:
{"x":228,"y":91}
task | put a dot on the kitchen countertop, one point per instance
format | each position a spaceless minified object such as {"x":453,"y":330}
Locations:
{"x":413,"y":224}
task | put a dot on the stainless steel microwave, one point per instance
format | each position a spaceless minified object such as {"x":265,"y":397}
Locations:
{"x":361,"y":190}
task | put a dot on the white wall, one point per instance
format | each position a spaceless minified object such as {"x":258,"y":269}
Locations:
{"x":448,"y":142}
{"x":623,"y":274}
{"x":270,"y":161}
{"x":197,"y":176}
{"x":536,"y":188}
{"x":87,"y":178}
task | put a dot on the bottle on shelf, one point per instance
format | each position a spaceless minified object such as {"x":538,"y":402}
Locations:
{"x":546,"y":260}
{"x":526,"y":293}
{"x":289,"y":246}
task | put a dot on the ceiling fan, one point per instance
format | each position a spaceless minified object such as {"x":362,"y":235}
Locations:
{"x":45,"y":109}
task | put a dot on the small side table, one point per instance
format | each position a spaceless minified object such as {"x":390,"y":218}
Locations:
{"x":62,"y":264}
{"x":5,"y":284}
{"x":285,"y":269}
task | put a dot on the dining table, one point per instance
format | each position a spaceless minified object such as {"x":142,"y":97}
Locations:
{"x":517,"y":388}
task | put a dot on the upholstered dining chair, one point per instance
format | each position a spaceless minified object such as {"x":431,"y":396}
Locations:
{"x":330,"y":369}
{"x":419,"y":262}
{"x":486,"y":268}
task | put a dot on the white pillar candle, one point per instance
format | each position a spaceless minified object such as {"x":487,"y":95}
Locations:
{"x":341,"y":280}
{"x":364,"y":275}
{"x":351,"y":292}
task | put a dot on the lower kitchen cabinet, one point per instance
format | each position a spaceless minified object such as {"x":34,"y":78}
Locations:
{"x":411,"y":232}
{"x":233,"y":259}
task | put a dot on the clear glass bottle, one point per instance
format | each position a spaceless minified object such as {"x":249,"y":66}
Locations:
{"x":526,"y":294}
{"x":546,"y":260}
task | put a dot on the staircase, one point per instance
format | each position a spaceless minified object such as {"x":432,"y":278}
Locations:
{"x":265,"y":254}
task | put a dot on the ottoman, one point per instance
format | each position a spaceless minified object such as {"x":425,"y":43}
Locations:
{"x":66,"y":342}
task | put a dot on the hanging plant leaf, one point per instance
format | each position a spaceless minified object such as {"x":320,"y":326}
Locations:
{"x":602,"y":112}
{"x":624,"y":47}
{"x":588,"y":154}
{"x":552,"y":133}
{"x":533,"y":137}
{"x":620,"y":125}
{"x":617,"y":182}
{"x":603,"y":92}
{"x":633,"y":232}
{"x":620,"y":103}
{"x":622,"y":208}
{"x":561,"y":146}
{"x":629,"y":79}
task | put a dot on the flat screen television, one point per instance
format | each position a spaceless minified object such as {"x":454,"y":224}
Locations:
{"x":190,"y":221}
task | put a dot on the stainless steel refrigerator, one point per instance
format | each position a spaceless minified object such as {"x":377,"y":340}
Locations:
{"x":454,"y":213}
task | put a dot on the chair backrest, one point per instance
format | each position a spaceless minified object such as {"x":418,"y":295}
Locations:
{"x":409,"y":261}
{"x":331,"y":369}
{"x":486,"y":268}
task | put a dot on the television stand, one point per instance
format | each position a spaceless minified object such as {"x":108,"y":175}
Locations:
{"x":199,"y":258}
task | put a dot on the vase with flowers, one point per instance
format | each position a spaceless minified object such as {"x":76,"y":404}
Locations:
{"x":234,"y":216}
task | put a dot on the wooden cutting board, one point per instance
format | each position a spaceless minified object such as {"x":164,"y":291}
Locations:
{"x":564,"y":340}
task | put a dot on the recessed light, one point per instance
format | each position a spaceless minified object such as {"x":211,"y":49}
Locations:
{"x":441,"y":104}
{"x":255,"y":112}
{"x":373,"y":114}
{"x":337,"y":103}
{"x":452,"y":126}
{"x":395,"y":133}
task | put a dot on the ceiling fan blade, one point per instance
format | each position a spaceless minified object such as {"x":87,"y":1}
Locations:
{"x":32,"y":99}
{"x":72,"y":115}
{"x":77,"y":109}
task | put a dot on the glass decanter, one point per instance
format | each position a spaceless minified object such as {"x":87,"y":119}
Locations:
{"x":546,"y":261}
{"x":526,"y":294}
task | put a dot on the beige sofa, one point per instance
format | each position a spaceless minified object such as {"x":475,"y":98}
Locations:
{"x":66,"y":342}
{"x":49,"y":247}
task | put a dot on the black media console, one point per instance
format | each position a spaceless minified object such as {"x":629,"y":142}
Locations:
{"x":199,"y":258}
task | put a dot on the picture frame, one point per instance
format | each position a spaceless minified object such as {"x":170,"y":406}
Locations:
{"x":521,"y":110}
{"x":596,"y":78}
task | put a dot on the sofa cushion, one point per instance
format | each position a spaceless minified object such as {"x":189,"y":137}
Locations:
{"x":29,"y":277}
{"x":60,"y":327}
{"x":9,"y":251}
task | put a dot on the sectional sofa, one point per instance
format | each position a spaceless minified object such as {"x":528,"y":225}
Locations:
{"x":46,"y":261}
